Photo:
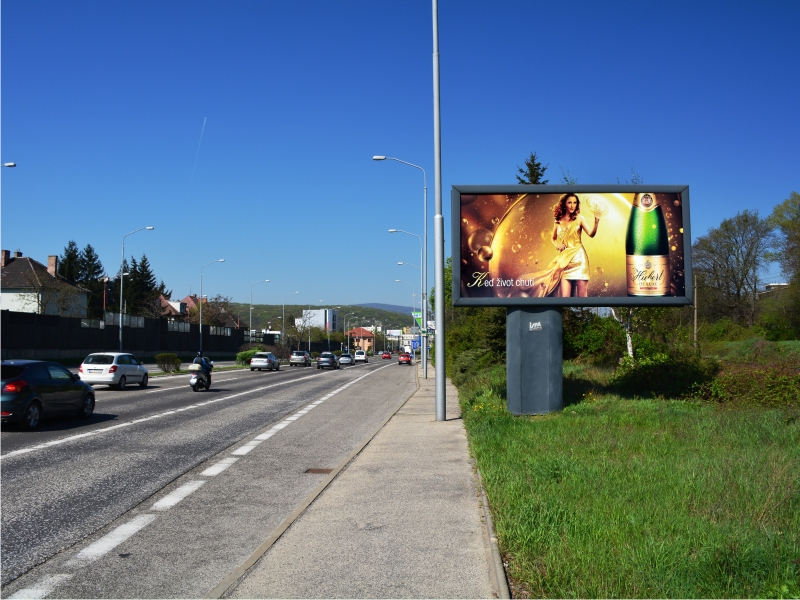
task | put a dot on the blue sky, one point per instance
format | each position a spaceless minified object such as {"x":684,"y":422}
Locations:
{"x":103,"y":104}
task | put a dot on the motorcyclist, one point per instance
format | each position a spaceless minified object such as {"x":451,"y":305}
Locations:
{"x":206,"y":366}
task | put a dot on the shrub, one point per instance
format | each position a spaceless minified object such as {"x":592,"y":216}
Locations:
{"x":662,"y":375}
{"x":243,"y":358}
{"x":249,"y":346}
{"x":168,"y":363}
{"x":466,"y":363}
{"x":315,"y":355}
{"x":762,"y":385}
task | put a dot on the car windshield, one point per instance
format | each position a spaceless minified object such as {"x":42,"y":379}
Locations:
{"x":8,"y":372}
{"x":326,"y":355}
{"x":260,"y":355}
{"x":298,"y":353}
{"x":99,"y":359}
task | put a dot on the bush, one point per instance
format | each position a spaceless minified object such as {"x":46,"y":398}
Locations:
{"x":168,"y":363}
{"x":662,"y":375}
{"x":315,"y":355}
{"x":466,"y":363}
{"x":243,"y":358}
{"x":249,"y":346}
{"x":761,"y":385}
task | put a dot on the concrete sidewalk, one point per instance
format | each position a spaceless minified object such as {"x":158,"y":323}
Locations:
{"x":404,"y":519}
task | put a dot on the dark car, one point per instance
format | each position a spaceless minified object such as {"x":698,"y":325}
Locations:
{"x":327,"y":360}
{"x":404,"y":359}
{"x":34,"y":389}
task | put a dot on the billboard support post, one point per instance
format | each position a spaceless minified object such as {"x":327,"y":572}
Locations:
{"x":534,"y":345}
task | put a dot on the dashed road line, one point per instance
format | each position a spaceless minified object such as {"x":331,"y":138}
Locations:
{"x":111,"y":540}
{"x":219,"y":467}
{"x":176,"y":496}
{"x":43,"y":588}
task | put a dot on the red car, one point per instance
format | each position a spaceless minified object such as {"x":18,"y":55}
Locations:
{"x":386,"y":354}
{"x":404,"y":359}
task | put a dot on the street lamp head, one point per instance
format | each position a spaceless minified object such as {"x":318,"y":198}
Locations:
{"x":397,"y":280}
{"x":149,"y":228}
{"x":221,"y":260}
{"x":9,"y":164}
{"x":393,"y":231}
{"x":401,"y":263}
{"x":378,"y":158}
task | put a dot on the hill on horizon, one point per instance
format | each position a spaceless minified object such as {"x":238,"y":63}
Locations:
{"x":403,"y":310}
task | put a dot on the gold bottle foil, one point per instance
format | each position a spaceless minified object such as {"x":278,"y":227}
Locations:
{"x":648,"y":275}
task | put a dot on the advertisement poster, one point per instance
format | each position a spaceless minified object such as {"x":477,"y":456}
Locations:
{"x":580,"y":247}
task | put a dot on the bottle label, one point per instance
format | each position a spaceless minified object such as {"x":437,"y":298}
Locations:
{"x":645,"y":202}
{"x":648,"y":275}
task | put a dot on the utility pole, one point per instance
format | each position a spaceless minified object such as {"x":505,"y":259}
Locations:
{"x":694,"y":302}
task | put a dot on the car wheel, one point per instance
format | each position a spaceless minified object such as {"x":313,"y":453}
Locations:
{"x":87,"y":407}
{"x":33,"y":416}
{"x":122,"y":383}
{"x":278,"y":368}
{"x":144,"y":381}
{"x":251,"y":370}
{"x":259,"y":369}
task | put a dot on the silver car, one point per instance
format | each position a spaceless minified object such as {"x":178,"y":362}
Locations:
{"x":346,"y":359}
{"x":300,"y":357}
{"x":265,"y":360}
{"x":113,"y":368}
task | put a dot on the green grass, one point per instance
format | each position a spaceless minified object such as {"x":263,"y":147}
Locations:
{"x":639,"y":498}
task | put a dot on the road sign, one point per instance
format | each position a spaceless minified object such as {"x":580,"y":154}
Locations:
{"x":414,"y":344}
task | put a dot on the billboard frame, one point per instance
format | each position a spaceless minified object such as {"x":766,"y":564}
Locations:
{"x":631,"y":301}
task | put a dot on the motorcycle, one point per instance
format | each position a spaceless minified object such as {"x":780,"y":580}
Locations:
{"x":198,"y":378}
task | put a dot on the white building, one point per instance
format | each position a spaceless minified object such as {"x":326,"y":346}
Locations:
{"x":30,"y":286}
{"x":324,"y":318}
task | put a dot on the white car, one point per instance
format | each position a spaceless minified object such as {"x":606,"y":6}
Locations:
{"x":113,"y":368}
{"x":361,"y":356}
{"x":265,"y":360}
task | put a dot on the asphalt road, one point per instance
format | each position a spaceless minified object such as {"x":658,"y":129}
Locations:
{"x":165,"y":491}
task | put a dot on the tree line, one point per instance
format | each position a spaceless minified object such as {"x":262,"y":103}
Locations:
{"x":141,"y":290}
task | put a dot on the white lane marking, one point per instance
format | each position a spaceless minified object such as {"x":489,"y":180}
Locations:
{"x":219,"y":467}
{"x":241,"y":451}
{"x":176,"y":496}
{"x":293,"y":418}
{"x":43,"y":588}
{"x":111,"y":540}
{"x":142,"y":420}
{"x":265,"y":436}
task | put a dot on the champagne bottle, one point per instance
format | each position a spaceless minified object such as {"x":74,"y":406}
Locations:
{"x":647,"y":247}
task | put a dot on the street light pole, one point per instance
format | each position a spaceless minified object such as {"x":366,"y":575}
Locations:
{"x":423,"y":255}
{"x":121,"y":269}
{"x":251,"y":309}
{"x":201,"y":298}
{"x":438,"y":229}
{"x":283,"y":319}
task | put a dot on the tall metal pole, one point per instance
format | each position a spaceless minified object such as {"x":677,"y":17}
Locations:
{"x":438,"y":229}
{"x":122,"y":278}
{"x":201,"y":297}
{"x":283,"y":318}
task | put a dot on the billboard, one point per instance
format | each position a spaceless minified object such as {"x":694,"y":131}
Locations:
{"x":558,"y":245}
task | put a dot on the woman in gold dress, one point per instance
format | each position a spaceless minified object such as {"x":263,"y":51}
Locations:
{"x":568,"y":274}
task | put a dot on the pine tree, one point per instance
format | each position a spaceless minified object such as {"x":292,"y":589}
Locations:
{"x":90,"y":273}
{"x":533,"y":171}
{"x":68,"y":263}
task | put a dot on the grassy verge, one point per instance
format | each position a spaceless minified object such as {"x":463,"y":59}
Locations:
{"x":639,"y":498}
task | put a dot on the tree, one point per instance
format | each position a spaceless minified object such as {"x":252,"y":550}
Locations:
{"x":90,"y":272}
{"x":786,"y":219}
{"x":533,"y":171}
{"x":69,"y":262}
{"x":216,"y":311}
{"x":730,"y":259}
